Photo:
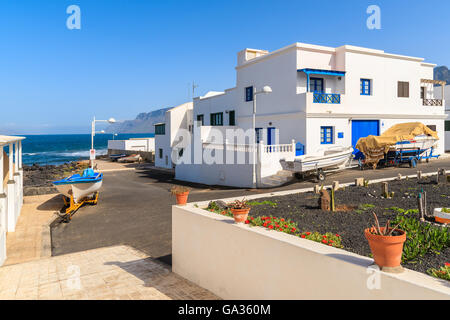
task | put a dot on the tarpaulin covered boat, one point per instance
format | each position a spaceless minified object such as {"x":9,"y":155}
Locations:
{"x":404,"y":142}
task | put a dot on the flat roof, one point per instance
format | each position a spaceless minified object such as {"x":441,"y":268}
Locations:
{"x":10,"y":139}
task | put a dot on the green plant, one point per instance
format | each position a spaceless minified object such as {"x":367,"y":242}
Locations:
{"x":179,"y":189}
{"x":266,"y":202}
{"x":442,"y":273}
{"x":422,"y":238}
{"x":332,"y":240}
{"x":366,"y":183}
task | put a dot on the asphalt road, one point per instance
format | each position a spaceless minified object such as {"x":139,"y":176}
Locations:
{"x":135,"y":208}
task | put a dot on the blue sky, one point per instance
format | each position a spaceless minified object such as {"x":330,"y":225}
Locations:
{"x":133,"y":56}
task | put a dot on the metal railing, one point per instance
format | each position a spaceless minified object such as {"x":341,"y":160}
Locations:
{"x":333,"y":98}
{"x":432,"y":102}
{"x":278,"y":148}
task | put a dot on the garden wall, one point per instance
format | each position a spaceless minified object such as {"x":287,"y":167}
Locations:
{"x":238,"y":262}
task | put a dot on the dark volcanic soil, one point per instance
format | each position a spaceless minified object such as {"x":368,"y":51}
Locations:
{"x":303,"y":209}
{"x":38,"y":179}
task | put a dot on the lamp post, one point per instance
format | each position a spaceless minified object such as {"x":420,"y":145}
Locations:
{"x":264,"y":90}
{"x":111,"y":120}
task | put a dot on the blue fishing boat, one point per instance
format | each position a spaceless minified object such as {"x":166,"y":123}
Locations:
{"x":78,"y":188}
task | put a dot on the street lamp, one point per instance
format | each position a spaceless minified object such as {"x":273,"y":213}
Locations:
{"x":264,"y":90}
{"x":110,"y":120}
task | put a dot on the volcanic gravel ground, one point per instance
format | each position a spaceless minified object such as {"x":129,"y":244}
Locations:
{"x":303,"y":208}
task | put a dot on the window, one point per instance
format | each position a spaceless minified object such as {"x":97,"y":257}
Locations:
{"x":249,"y":94}
{"x":447,"y":125}
{"x":201,"y":118}
{"x":432,"y":127}
{"x":403,"y":89}
{"x":326,"y":135}
{"x":365,"y":87}
{"x":232,"y":118}
{"x":258,"y":132}
{"x":217,"y":119}
{"x":316,"y":85}
{"x":160,"y":153}
{"x":160,"y":129}
{"x":422,"y":93}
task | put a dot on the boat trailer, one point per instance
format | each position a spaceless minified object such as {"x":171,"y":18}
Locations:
{"x":402,"y":156}
{"x":71,"y":207}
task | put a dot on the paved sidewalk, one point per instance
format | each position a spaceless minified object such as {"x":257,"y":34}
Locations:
{"x":26,"y":243}
{"x":118,"y":272}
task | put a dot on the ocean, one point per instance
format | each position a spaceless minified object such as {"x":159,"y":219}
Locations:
{"x":59,"y":149}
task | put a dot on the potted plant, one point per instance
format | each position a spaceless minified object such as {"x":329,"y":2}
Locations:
{"x":181,"y":192}
{"x":386,"y":244}
{"x":240,"y":210}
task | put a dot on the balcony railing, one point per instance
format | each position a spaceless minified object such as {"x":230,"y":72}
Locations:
{"x":333,"y":98}
{"x":432,"y":102}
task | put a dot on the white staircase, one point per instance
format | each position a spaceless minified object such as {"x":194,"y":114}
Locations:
{"x":280,"y":178}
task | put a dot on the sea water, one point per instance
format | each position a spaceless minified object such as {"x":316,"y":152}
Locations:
{"x":59,"y":149}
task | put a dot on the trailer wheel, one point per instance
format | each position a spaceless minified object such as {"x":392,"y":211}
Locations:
{"x":320,"y":175}
{"x":413,"y":163}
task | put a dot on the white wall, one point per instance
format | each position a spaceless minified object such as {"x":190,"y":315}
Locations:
{"x":235,"y":261}
{"x":175,"y":119}
{"x":137,"y":144}
{"x":11,"y":193}
{"x":438,"y":95}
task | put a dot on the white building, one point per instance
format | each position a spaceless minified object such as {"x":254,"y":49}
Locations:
{"x":133,"y":144}
{"x":11,"y":187}
{"x":321,"y":97}
{"x":447,"y":111}
{"x":179,"y":117}
{"x":348,"y":92}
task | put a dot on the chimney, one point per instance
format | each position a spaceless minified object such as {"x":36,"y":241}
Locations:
{"x":249,"y":54}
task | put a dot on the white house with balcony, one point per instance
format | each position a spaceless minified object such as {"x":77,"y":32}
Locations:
{"x":322,"y":97}
{"x":11,"y":187}
{"x":179,"y":117}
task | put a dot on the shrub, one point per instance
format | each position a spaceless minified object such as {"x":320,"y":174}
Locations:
{"x":421,"y":238}
{"x":442,"y":273}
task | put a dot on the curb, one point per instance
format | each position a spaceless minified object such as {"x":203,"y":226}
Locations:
{"x":46,"y":238}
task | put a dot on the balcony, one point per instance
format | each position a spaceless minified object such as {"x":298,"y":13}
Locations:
{"x":433,"y":102}
{"x":330,"y":98}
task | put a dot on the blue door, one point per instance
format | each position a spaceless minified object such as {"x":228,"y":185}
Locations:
{"x":362,"y":129}
{"x":270,"y":136}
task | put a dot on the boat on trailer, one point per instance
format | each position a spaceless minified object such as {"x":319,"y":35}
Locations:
{"x":326,"y":160}
{"x":79,"y":189}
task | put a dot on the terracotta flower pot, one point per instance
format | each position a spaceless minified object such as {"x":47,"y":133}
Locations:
{"x":182,"y":198}
{"x":240,"y":215}
{"x":386,"y":250}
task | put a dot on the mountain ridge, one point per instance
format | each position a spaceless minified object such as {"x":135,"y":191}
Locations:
{"x":143,"y":123}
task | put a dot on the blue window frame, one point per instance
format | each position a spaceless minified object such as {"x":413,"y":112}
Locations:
{"x":326,"y":135}
{"x":365,"y":87}
{"x":160,"y":129}
{"x":249,"y":94}
{"x":258,"y":132}
{"x":316,"y":85}
{"x":217,"y":119}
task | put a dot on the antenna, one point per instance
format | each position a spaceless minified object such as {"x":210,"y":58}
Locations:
{"x":194,"y":86}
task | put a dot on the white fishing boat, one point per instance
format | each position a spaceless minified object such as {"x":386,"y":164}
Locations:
{"x":80,"y":187}
{"x":334,"y":158}
{"x":421,"y":142}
